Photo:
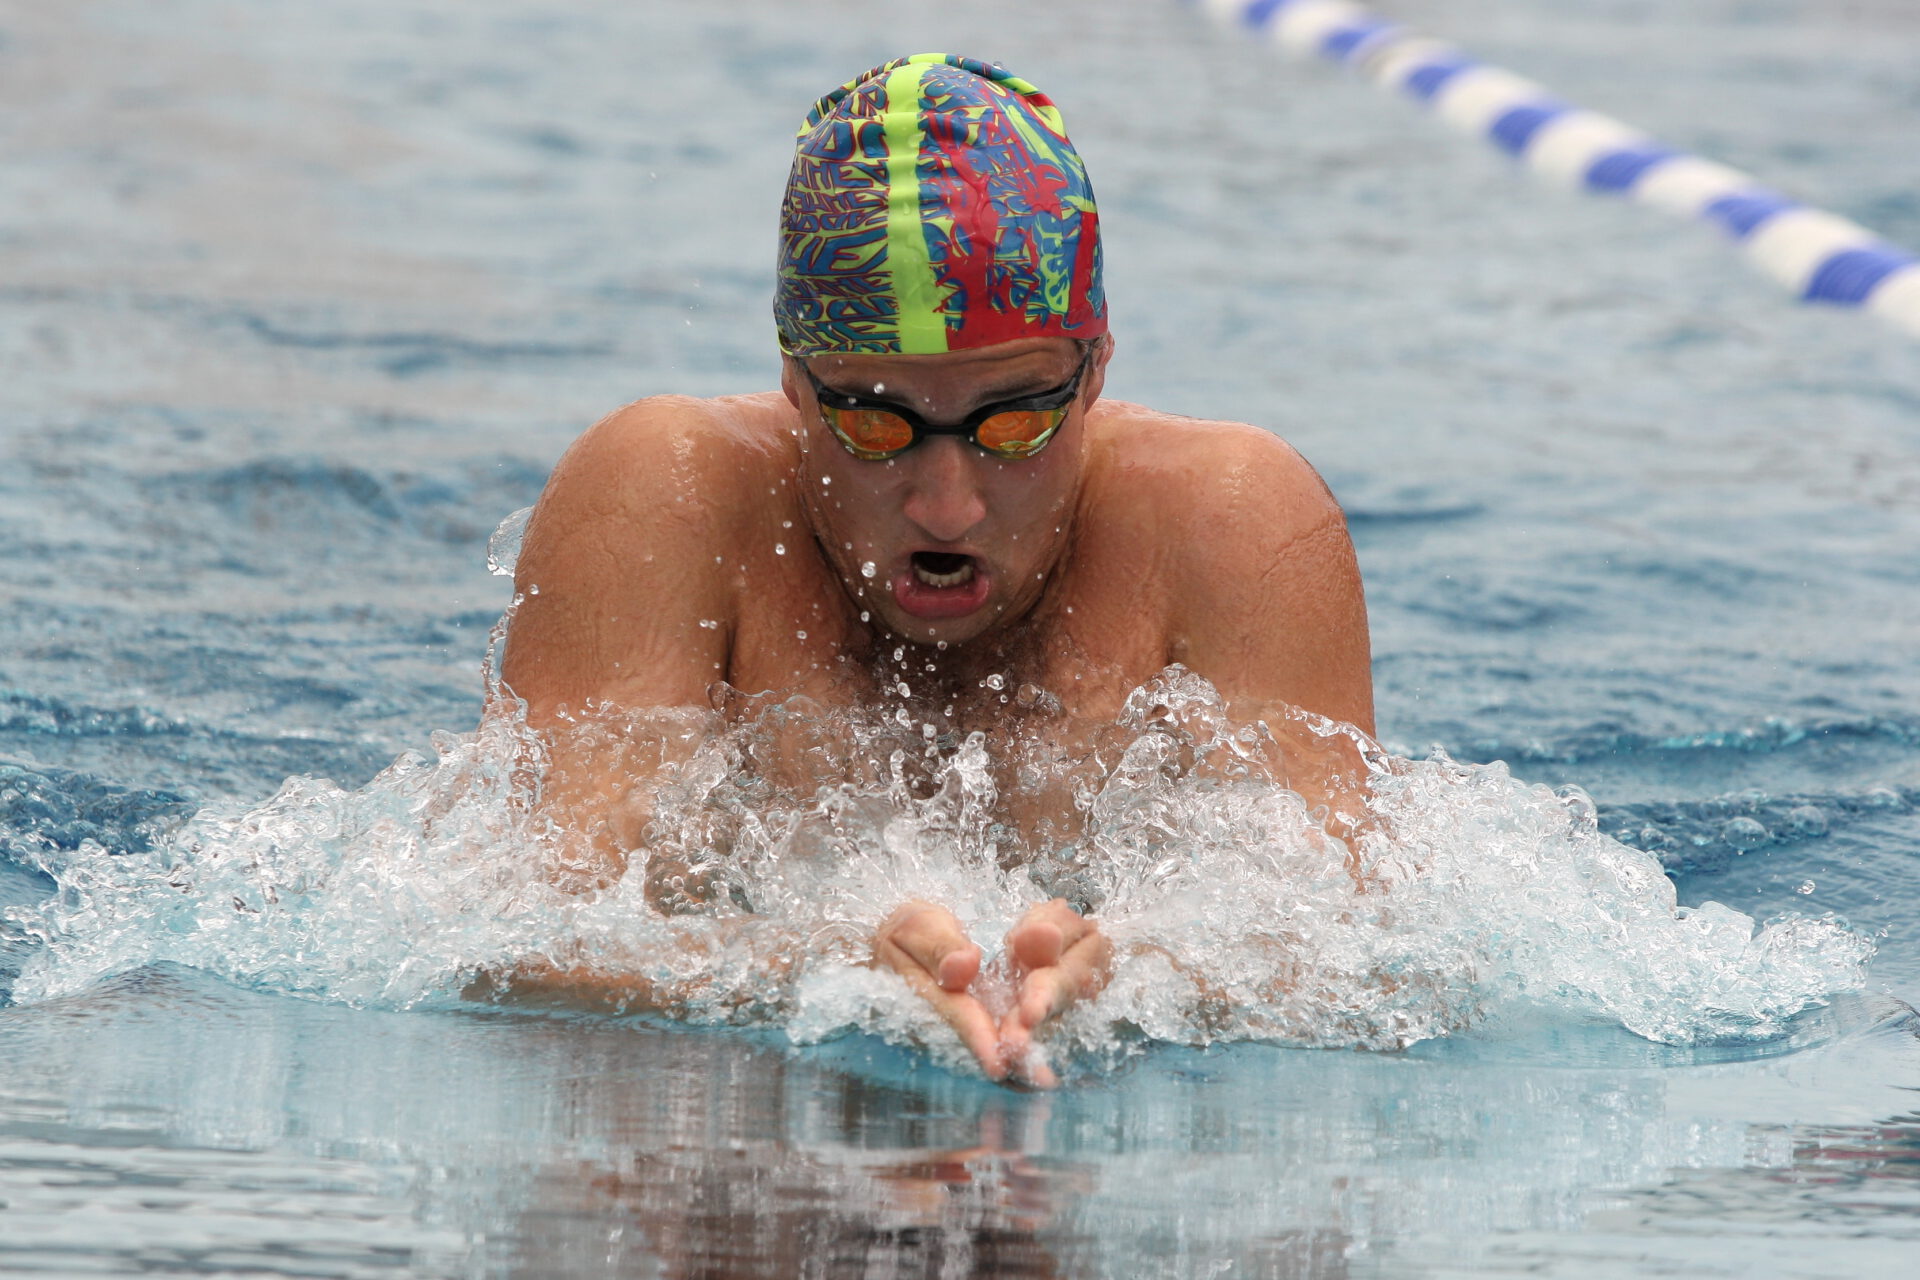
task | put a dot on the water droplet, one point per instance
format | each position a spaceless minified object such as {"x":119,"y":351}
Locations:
{"x":533,"y":588}
{"x":865,"y":616}
{"x":826,"y":480}
{"x":900,"y":653}
{"x":710,"y":624}
{"x":786,"y":524}
{"x":779,"y":548}
{"x":996,"y":681}
{"x":941,"y":645}
{"x":503,"y":548}
{"x":878,"y":387}
{"x":905,"y":692}
{"x":1806,"y":886}
{"x":868,"y":569}
{"x":800,"y":635}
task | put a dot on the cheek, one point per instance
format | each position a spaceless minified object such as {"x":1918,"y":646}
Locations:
{"x":850,"y":495}
{"x":1031,"y":492}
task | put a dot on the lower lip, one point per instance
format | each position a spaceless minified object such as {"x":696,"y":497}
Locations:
{"x":922,"y":601}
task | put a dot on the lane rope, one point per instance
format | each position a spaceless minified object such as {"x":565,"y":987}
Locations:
{"x":1818,"y":256}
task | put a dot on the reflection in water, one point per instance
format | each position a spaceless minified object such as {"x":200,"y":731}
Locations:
{"x":472,"y":1143}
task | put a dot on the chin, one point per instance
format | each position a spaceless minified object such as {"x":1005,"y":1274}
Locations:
{"x":952,"y":632}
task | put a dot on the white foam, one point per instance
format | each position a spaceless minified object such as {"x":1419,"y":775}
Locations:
{"x":1234,"y":914}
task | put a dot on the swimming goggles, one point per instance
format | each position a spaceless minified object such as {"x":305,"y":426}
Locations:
{"x":879,"y":429}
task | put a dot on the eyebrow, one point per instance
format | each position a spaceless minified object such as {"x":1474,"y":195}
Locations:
{"x":997,"y":395}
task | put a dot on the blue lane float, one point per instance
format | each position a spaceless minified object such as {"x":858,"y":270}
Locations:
{"x":1819,"y":256}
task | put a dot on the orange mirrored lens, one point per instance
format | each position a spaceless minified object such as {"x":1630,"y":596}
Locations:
{"x":871,"y":430}
{"x":1018,"y":432}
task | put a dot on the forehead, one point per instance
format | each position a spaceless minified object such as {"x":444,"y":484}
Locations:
{"x":982,"y":373}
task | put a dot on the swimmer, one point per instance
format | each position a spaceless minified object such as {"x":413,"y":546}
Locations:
{"x":937,"y":497}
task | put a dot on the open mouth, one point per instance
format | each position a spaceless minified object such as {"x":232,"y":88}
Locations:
{"x":941,"y":584}
{"x":942,"y":569}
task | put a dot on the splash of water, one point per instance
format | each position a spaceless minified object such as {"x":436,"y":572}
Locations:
{"x":1234,"y":913}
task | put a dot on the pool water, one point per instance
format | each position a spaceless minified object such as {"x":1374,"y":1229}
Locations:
{"x":297,"y":303}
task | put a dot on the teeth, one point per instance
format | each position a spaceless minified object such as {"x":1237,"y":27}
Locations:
{"x":959,"y":577}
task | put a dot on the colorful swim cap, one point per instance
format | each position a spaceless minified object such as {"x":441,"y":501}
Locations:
{"x":935,"y":205}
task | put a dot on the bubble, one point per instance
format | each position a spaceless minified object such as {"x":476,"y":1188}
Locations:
{"x":709,"y":624}
{"x":1807,"y":820}
{"x":995,"y":681}
{"x":533,"y":588}
{"x":1744,"y":834}
{"x":868,"y":569}
{"x":1805,"y":886}
{"x":779,"y":548}
{"x":800,"y":635}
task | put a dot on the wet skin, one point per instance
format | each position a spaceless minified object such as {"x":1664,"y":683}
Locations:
{"x":684,"y":542}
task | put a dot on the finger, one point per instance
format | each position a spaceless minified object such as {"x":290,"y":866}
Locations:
{"x":1031,"y":1068}
{"x":1026,"y":1060}
{"x":1082,"y":972}
{"x":1045,"y":932}
{"x":1036,"y":944}
{"x":966,"y":1015}
{"x":933,"y":938}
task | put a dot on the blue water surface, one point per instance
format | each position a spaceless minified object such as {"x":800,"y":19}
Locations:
{"x":297,"y":301}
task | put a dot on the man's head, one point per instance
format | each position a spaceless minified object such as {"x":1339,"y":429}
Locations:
{"x":940,"y":257}
{"x":935,"y":205}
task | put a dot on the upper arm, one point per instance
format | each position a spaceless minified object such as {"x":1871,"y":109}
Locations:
{"x":621,"y":597}
{"x":1270,"y":605}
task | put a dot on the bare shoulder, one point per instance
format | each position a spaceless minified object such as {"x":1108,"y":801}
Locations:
{"x":619,"y":595}
{"x":1229,"y":476}
{"x":680,"y":446}
{"x":1262,"y":587}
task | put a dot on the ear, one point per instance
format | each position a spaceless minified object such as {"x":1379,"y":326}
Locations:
{"x":1096,"y":380}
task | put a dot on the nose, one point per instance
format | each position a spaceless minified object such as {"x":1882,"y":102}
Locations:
{"x":944,"y":496}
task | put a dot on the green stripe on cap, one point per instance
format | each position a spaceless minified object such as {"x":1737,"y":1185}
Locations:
{"x":923,"y":327}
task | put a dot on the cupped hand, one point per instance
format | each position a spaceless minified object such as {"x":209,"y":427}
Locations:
{"x":1055,"y":956}
{"x":925,"y":944}
{"x":1059,"y":957}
